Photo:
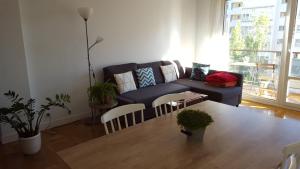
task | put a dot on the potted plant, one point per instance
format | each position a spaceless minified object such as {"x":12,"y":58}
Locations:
{"x":193,"y":123}
{"x":26,"y":120}
{"x":102,"y":93}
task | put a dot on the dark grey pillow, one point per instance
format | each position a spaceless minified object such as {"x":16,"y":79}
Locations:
{"x":200,"y":68}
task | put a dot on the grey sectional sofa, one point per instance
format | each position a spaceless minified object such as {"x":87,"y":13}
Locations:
{"x":231,"y":96}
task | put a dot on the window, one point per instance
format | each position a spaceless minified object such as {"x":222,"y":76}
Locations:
{"x":279,"y":41}
{"x":236,"y":5}
{"x":281,"y":28}
{"x":282,"y":14}
{"x":283,"y":1}
{"x":297,"y":43}
{"x":235,"y":17}
{"x":246,"y":17}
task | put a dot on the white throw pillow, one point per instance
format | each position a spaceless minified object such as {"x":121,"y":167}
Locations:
{"x":125,"y":82}
{"x":169,"y":73}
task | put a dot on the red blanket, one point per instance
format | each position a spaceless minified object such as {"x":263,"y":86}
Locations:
{"x":221,"y":79}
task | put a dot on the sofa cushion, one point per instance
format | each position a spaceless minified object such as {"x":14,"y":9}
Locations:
{"x":214,"y":93}
{"x":125,"y":82}
{"x":221,"y":77}
{"x":156,"y":70}
{"x":148,"y":94}
{"x":205,"y":69}
{"x":199,"y":74}
{"x":169,"y":73}
{"x":117,"y":69}
{"x":240,"y":77}
{"x":179,"y":67}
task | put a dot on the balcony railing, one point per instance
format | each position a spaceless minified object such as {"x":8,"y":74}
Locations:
{"x":261,"y":72}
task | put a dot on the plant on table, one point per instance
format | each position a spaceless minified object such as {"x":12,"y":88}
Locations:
{"x":193,"y":121}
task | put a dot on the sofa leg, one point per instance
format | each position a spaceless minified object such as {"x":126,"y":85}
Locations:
{"x":237,"y":105}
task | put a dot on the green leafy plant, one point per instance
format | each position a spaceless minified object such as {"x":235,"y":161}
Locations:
{"x":102,"y":93}
{"x":22,"y":116}
{"x":193,"y":119}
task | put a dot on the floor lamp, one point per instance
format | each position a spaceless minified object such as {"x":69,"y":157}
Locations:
{"x":85,"y":13}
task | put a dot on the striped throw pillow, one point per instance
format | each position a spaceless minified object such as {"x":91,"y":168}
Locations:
{"x":145,"y":77}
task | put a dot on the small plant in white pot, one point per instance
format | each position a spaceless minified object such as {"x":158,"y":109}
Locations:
{"x":22,"y":116}
{"x":194,"y":123}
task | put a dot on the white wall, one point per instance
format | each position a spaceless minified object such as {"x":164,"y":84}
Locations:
{"x":203,"y":27}
{"x":133,"y":30}
{"x":212,"y":46}
{"x":13,"y":68}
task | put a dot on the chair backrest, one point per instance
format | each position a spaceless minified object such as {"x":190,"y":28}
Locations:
{"x":292,"y":152}
{"x":117,"y":112}
{"x":173,"y":100}
{"x":293,"y":164}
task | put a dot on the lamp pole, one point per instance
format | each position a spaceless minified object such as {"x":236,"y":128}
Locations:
{"x":85,"y":13}
{"x":88,"y":52}
{"x":89,"y":64}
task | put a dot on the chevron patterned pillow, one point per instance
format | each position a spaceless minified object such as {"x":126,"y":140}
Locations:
{"x":145,"y":77}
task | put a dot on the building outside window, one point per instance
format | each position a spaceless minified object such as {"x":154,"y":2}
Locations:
{"x":279,"y":41}
{"x":297,"y":43}
{"x":298,"y":28}
{"x":281,"y":28}
{"x":236,"y":5}
{"x":235,"y":17}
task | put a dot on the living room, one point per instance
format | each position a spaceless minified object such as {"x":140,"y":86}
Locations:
{"x":44,"y":51}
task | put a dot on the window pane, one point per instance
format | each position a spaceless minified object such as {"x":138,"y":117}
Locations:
{"x":295,"y":65}
{"x":293,"y":93}
{"x":256,"y":31}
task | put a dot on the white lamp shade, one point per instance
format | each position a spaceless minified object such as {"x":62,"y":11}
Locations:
{"x":85,"y":12}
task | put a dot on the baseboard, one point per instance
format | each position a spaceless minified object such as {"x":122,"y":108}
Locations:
{"x":13,"y":136}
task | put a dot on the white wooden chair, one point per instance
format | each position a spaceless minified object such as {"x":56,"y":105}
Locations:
{"x":117,"y":112}
{"x":169,"y":99}
{"x":291,"y":154}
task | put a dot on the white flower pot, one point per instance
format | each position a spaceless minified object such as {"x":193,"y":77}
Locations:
{"x":31,"y":145}
{"x":195,"y":135}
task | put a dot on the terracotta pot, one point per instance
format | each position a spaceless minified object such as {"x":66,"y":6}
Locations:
{"x":31,"y":145}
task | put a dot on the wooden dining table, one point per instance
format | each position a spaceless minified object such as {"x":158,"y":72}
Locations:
{"x":239,"y":138}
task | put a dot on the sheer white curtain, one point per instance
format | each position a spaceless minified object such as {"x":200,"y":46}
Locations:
{"x":212,"y":43}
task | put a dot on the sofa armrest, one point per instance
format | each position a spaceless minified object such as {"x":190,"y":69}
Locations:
{"x":240,"y":78}
{"x":238,"y":75}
